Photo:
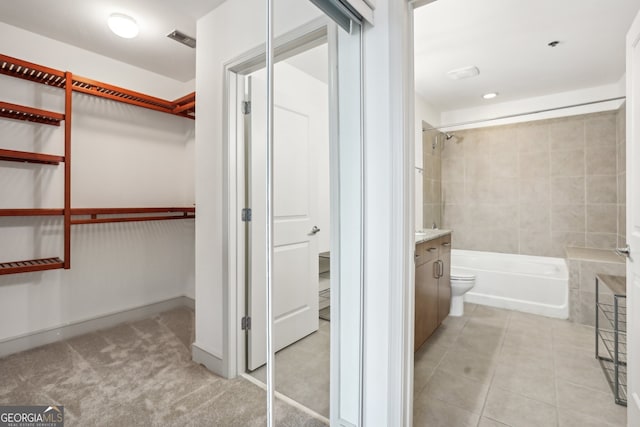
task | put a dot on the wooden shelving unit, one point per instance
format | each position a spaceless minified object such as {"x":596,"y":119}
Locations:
{"x":13,"y":67}
{"x":29,"y":157}
{"x":20,"y":112}
{"x":115,"y":215}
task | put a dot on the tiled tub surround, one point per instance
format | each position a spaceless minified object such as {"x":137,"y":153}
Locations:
{"x":535,"y":188}
{"x":621,"y":149}
{"x":583,"y":265}
{"x":432,"y":181}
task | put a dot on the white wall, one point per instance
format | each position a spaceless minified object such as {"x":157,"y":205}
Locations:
{"x":424,"y":112}
{"x":481,"y":115}
{"x":123,"y":156}
{"x":220,"y":40}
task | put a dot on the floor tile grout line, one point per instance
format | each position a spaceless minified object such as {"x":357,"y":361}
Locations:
{"x":493,"y":374}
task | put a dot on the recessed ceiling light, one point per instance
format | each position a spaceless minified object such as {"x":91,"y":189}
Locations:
{"x":490,"y":95}
{"x":123,"y":25}
{"x":463,"y":73}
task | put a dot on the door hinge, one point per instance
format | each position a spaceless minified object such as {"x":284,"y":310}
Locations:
{"x":246,"y":323}
{"x":246,"y":107}
{"x":246,"y":214}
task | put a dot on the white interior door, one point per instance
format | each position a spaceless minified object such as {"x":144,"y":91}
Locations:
{"x":633,"y":222}
{"x":295,"y":262}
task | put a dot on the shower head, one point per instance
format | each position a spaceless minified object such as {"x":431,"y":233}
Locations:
{"x":448,"y":135}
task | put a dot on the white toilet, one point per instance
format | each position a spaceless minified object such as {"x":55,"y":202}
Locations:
{"x":461,"y":283}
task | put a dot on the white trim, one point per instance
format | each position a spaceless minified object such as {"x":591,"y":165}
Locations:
{"x":212,"y":362}
{"x":92,"y":324}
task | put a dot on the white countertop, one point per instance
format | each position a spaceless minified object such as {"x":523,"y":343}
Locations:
{"x":429,"y":234}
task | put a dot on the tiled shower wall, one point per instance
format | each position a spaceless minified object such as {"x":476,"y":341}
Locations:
{"x":432,"y":182}
{"x":534,"y":188}
{"x":621,"y":146}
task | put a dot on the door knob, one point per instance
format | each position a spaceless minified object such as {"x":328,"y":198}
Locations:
{"x":626,"y":251}
{"x":315,"y":230}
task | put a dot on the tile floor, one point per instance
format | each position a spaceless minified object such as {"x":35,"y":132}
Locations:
{"x":495,"y":367}
{"x":488,"y":368}
{"x":302,"y":371}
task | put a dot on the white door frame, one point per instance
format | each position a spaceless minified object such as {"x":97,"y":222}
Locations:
{"x":303,"y":38}
{"x":632,"y":143}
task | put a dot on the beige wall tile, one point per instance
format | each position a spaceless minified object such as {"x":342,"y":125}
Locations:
{"x":621,"y":154}
{"x":568,"y":163}
{"x":622,"y":188}
{"x":457,"y":216}
{"x":477,"y":191}
{"x":602,"y":240}
{"x":602,"y":189}
{"x":479,"y":166}
{"x":566,"y":133}
{"x":535,"y":190}
{"x":601,"y":161}
{"x":535,"y":242}
{"x":453,"y":192}
{"x":568,"y":218}
{"x":561,"y":239}
{"x":535,"y":216}
{"x":622,"y":220}
{"x":503,"y":240}
{"x":600,"y":130}
{"x":491,"y":216}
{"x":523,"y":187}
{"x":602,"y":218}
{"x":505,"y":165}
{"x":534,"y":164}
{"x":567,"y":190}
{"x":533,"y":137}
{"x":453,"y":169}
{"x":503,"y":191}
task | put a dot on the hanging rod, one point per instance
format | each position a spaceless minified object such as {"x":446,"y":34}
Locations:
{"x":510,"y":116}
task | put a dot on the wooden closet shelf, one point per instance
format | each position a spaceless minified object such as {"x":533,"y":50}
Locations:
{"x":33,"y":72}
{"x":115,"y":93}
{"x":31,"y":265}
{"x":186,"y":213}
{"x":28,"y":157}
{"x":20,"y":112}
{"x":49,"y":76}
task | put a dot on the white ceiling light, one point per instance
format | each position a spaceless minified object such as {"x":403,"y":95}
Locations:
{"x":490,"y":95}
{"x":463,"y":73}
{"x":123,"y":25}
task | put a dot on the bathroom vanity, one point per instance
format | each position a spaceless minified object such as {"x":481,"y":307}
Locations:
{"x":432,"y":282}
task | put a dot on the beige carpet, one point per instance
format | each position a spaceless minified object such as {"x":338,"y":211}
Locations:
{"x":136,"y":374}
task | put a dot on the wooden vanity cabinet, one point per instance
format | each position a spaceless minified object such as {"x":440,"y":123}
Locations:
{"x":432,"y":287}
{"x":444,"y":282}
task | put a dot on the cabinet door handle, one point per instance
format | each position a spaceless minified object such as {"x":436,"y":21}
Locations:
{"x":432,"y":249}
{"x":441,"y":268}
{"x":446,"y":244}
{"x":436,"y":268}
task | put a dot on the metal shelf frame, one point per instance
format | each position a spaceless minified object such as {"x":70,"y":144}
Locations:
{"x":612,"y":336}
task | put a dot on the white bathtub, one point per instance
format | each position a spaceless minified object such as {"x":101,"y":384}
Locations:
{"x":532,"y":284}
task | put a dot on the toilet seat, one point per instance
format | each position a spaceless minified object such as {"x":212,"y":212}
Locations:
{"x":461,"y":276}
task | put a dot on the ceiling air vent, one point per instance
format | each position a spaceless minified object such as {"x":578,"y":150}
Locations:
{"x":182,"y":38}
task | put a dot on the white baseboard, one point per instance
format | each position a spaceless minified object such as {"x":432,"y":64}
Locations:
{"x":210,"y":361}
{"x":48,"y":336}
